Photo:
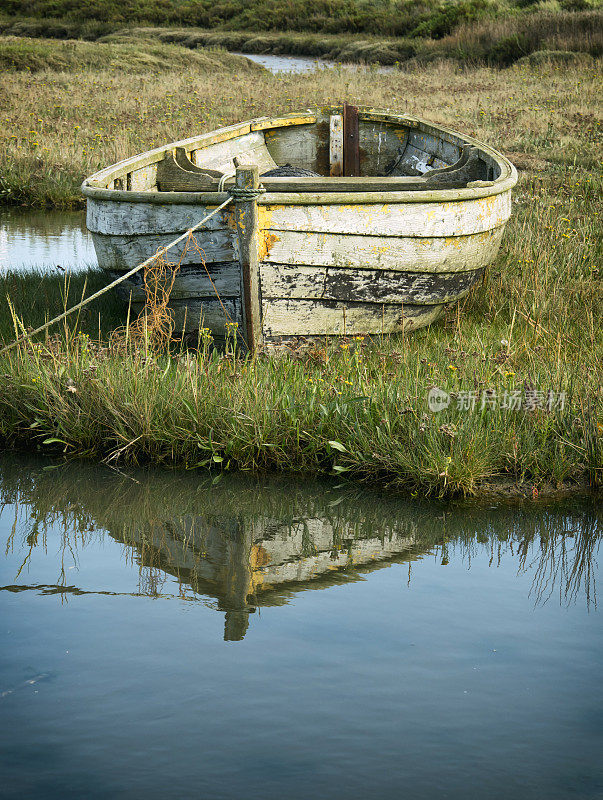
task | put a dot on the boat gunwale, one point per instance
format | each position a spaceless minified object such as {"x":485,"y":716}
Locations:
{"x":505,"y":181}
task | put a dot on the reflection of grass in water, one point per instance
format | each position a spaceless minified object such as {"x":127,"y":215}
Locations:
{"x":167,"y":521}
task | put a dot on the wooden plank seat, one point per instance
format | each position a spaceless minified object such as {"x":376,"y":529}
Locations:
{"x":177,"y":173}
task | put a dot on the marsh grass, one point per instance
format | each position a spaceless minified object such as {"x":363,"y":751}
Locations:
{"x":495,"y":35}
{"x":357,"y":408}
{"x":59,"y":126}
{"x":36,"y":295}
{"x":325,"y":16}
{"x":126,"y":54}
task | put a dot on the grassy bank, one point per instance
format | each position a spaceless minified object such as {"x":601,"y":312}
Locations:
{"x":494,"y":39}
{"x":358,"y":407}
{"x":131,"y":56}
{"x":434,"y":18}
{"x":495,"y":42}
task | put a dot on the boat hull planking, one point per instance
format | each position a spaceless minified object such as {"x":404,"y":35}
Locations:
{"x":340,"y":263}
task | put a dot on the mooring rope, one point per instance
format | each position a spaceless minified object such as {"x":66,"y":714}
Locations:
{"x":240,"y":193}
{"x":123,"y":277}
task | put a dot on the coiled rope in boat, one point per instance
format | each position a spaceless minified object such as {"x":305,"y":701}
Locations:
{"x":235,"y":194}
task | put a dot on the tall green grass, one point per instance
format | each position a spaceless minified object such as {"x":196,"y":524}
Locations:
{"x":37,"y":295}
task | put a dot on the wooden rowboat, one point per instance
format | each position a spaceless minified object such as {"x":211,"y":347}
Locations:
{"x":394,"y":219}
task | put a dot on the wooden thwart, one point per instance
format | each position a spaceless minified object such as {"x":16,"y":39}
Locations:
{"x":177,"y":173}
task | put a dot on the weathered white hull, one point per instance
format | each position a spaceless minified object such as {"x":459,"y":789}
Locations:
{"x":329,"y":262}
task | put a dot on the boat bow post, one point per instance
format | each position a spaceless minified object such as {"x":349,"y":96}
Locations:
{"x":245,"y":193}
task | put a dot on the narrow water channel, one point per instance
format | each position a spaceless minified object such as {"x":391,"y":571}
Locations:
{"x":294,"y":64}
{"x":305,"y":64}
{"x":165,"y":636}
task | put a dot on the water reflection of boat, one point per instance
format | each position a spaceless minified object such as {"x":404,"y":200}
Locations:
{"x":250,"y":543}
{"x":262,"y":562}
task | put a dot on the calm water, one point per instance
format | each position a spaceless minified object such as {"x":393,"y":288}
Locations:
{"x":290,"y":64}
{"x":32,"y":239}
{"x":304,"y":64}
{"x":163,"y":637}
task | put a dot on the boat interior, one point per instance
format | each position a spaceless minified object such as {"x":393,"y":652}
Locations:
{"x":340,"y":148}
